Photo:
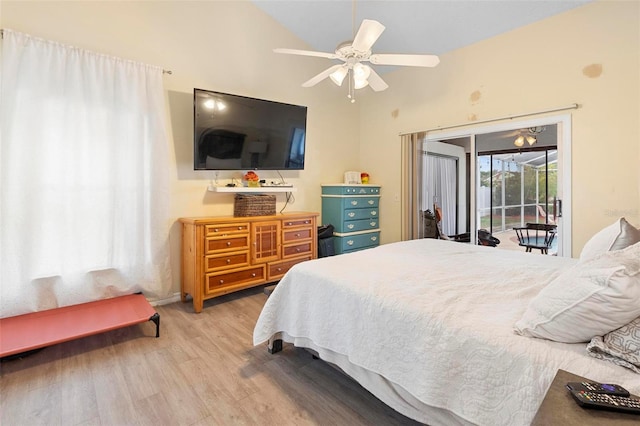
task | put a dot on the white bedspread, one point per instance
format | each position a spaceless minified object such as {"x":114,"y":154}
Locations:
{"x":436,"y":318}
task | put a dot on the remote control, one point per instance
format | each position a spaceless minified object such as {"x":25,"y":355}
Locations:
{"x":603,"y":401}
{"x":605,"y":388}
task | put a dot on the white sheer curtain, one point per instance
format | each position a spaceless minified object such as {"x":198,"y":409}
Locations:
{"x":440,"y":186}
{"x":84,"y":177}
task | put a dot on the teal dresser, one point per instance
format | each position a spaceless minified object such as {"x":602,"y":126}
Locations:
{"x":354,"y":212}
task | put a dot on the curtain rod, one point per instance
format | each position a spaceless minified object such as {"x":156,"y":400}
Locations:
{"x":507,"y":117}
{"x":163,"y":71}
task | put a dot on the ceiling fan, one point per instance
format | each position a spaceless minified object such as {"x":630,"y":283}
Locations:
{"x":530,"y":135}
{"x":354,"y":53}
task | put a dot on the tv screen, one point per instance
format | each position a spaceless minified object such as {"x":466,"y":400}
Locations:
{"x":234,"y":132}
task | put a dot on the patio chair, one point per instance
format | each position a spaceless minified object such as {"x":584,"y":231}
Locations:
{"x":484,"y":237}
{"x":536,"y":236}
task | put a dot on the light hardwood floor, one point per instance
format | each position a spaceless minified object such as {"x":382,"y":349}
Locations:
{"x":203,"y":370}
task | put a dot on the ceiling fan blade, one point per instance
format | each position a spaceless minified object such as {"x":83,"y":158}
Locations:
{"x":318,"y":78}
{"x":405,"y":60}
{"x":376,"y":82}
{"x":368,"y":33}
{"x":306,"y":53}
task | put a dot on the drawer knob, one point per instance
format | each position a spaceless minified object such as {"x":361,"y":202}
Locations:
{"x":228,"y":243}
{"x":371,"y":202}
{"x":354,"y":203}
{"x":279,"y":269}
{"x":221,"y":281}
{"x":352,"y":214}
{"x":215,"y":230}
{"x":373,"y":212}
{"x":290,"y":223}
{"x":228,"y":261}
{"x":297,"y":235}
{"x":298,"y":249}
{"x":372,"y":224}
{"x":351,"y":226}
{"x":374,"y":238}
{"x":350,"y":242}
{"x":253,"y":275}
{"x":307,"y":222}
{"x":240,"y":227}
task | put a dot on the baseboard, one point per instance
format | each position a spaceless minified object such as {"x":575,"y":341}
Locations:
{"x":165,"y":301}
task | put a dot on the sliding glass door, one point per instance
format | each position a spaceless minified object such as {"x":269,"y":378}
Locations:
{"x":507,"y":177}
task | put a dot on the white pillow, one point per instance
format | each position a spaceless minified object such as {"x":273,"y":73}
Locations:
{"x":589,"y":299}
{"x":616,"y":236}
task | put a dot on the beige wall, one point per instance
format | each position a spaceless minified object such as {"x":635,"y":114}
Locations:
{"x":227,"y":46}
{"x":216,"y":45}
{"x":544,"y":65}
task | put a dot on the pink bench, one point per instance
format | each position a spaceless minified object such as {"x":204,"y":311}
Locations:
{"x":36,"y":330}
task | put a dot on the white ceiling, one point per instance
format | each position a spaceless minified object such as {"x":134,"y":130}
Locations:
{"x":417,"y":26}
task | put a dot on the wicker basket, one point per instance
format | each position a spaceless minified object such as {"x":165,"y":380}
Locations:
{"x":254,"y":205}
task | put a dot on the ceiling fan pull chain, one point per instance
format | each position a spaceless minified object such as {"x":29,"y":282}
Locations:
{"x":352,"y":90}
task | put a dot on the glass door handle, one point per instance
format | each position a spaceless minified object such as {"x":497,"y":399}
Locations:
{"x":557,"y":207}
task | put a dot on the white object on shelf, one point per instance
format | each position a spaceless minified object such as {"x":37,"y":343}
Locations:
{"x":251,"y":189}
{"x":276,"y":185}
{"x":352,"y":178}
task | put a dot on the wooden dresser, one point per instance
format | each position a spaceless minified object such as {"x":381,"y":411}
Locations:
{"x":221,"y":255}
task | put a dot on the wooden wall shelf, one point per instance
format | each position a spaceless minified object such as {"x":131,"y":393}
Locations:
{"x":252,"y":190}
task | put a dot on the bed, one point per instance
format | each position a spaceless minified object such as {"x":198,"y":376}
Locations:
{"x":427,"y":326}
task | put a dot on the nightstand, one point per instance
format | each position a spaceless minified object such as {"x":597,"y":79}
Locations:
{"x":559,"y":408}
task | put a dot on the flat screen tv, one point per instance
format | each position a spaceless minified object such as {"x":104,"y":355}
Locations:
{"x":234,"y":132}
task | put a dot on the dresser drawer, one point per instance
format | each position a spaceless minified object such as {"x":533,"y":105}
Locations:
{"x":226,"y":261}
{"x":356,"y":242}
{"x":239,"y":242}
{"x":292,"y":223}
{"x":350,"y":190}
{"x":296,"y":250}
{"x":355,"y":214}
{"x":358,"y":225}
{"x":214,"y":281}
{"x":296,"y":235}
{"x":226,"y":229}
{"x":360,"y":202}
{"x":275,"y":271}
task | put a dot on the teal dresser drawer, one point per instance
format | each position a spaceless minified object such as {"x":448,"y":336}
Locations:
{"x":350,"y":189}
{"x":349,"y":243}
{"x":360,"y":202}
{"x":360,"y":225}
{"x":355,"y":214}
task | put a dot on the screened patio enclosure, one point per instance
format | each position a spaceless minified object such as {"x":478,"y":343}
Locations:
{"x":516,"y":188}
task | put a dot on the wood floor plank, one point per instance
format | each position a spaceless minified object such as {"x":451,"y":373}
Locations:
{"x":203,"y":370}
{"x":79,"y":399}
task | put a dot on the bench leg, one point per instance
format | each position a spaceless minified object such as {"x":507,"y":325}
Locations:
{"x":156,"y":319}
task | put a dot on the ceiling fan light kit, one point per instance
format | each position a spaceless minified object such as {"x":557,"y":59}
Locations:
{"x":353,"y":53}
{"x":338,"y":75}
{"x":531,"y":136}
